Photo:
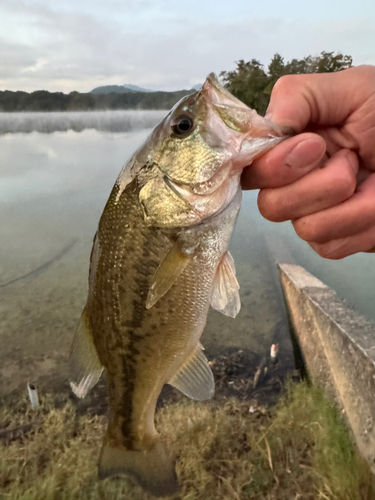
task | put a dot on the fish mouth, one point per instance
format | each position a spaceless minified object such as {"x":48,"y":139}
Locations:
{"x":237,"y":115}
{"x":248,"y":134}
{"x":218,"y":96}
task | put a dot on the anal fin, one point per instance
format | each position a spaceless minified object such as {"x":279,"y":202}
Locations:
{"x":225,"y":296}
{"x":85,"y":365}
{"x":195,"y":378}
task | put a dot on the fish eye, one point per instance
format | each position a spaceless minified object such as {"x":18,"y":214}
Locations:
{"x":183,"y":125}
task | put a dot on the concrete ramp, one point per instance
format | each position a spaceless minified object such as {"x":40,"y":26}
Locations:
{"x":337,"y":345}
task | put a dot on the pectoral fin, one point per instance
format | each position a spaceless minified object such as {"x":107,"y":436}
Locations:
{"x":225,"y":297}
{"x":167,"y":273}
{"x":84,"y":361}
{"x":195,"y":378}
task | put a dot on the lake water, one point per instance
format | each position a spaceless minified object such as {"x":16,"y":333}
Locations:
{"x":56,"y":172}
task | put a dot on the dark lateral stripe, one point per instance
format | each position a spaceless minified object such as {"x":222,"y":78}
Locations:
{"x":130,"y":360}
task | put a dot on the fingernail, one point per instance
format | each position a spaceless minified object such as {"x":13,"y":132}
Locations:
{"x":305,"y":153}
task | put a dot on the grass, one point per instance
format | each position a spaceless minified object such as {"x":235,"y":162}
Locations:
{"x":298,"y":450}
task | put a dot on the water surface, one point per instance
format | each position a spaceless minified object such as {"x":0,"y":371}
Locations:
{"x":53,"y":187}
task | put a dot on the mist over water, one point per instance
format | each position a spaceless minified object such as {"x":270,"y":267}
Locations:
{"x":104,"y":121}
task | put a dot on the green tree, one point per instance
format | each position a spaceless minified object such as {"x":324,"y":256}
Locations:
{"x":276,"y":67}
{"x":252,"y":85}
{"x":329,"y":63}
{"x":247,"y":82}
{"x":79,"y":102}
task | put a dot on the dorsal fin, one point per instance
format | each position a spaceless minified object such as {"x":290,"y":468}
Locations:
{"x":167,"y":273}
{"x":195,"y":378}
{"x":225,"y":296}
{"x":84,"y":361}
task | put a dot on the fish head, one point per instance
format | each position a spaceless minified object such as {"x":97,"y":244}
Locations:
{"x":194,"y":158}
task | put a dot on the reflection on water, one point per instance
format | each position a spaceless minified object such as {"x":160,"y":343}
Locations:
{"x":53,"y":188}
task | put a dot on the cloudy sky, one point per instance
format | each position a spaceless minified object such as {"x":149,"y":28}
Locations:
{"x":70,"y":45}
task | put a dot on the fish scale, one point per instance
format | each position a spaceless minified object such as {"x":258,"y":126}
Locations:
{"x":160,"y":258}
{"x":174,"y":314}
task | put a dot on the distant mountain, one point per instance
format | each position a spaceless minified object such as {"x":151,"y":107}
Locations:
{"x":126,"y":88}
{"x":118,"y":89}
{"x":136,"y":88}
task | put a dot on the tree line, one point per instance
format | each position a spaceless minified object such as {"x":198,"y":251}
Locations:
{"x":42,"y":100}
{"x":249,"y":81}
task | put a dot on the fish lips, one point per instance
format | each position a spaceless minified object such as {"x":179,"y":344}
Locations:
{"x":248,"y":126}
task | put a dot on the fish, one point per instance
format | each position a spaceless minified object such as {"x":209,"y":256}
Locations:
{"x":160,"y":258}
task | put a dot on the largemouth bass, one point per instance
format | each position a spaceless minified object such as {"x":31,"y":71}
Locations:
{"x":160,"y":258}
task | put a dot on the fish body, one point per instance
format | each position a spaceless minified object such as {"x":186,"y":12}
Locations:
{"x":160,"y":258}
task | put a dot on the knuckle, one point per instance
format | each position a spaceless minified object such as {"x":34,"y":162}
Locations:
{"x":333,"y":250}
{"x":284,"y":84}
{"x":347,"y":184}
{"x":269,"y":205}
{"x":327,"y":251}
{"x":307,"y":230}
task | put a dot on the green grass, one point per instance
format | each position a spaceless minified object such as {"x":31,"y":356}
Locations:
{"x":299,"y":450}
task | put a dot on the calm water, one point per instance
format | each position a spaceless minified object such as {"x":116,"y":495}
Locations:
{"x":56,"y":172}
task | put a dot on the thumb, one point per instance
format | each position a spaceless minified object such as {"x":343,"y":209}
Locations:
{"x":319,"y":99}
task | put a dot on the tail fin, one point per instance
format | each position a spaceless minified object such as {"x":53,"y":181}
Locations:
{"x":152,"y":469}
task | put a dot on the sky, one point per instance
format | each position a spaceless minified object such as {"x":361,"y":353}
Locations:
{"x":71,"y":45}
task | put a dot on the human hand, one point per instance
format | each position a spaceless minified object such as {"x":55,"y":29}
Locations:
{"x":324,"y":178}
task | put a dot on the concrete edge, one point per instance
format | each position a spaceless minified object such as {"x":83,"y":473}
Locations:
{"x":337,"y":345}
